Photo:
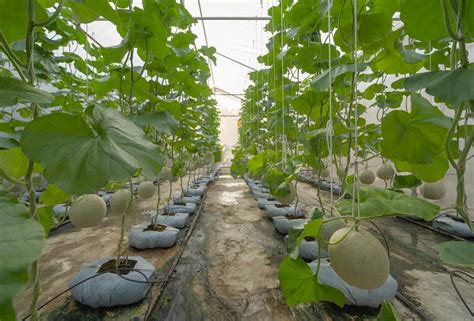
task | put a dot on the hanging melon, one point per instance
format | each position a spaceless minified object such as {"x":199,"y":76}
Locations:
{"x":433,"y":191}
{"x":367,"y":177}
{"x":119,"y":201}
{"x":87,"y":210}
{"x":289,"y":198}
{"x":327,"y":230}
{"x":165,"y":174}
{"x":146,"y":189}
{"x":359,"y":258}
{"x":385,"y":172}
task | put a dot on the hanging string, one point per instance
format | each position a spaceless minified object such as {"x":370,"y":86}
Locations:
{"x":355,"y":191}
{"x":87,"y":67}
{"x":329,"y":125}
{"x":283,"y":136}
{"x":274,"y":69}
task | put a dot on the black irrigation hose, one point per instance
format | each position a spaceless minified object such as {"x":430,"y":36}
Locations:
{"x":459,"y":274}
{"x":407,"y":302}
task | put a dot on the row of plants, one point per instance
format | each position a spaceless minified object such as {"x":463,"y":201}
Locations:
{"x":347,"y":82}
{"x":78,"y":117}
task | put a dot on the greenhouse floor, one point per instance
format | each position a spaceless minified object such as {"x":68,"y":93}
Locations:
{"x":229,"y":268}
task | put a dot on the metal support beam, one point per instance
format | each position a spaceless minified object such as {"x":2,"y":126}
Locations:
{"x":233,"y":18}
{"x":236,"y":61}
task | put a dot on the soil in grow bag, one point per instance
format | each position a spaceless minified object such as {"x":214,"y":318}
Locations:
{"x":124,"y":266}
{"x":155,"y":228}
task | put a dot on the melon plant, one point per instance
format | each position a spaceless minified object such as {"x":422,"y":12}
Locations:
{"x":385,"y":172}
{"x":290,"y":197}
{"x":367,"y":177}
{"x":87,"y":210}
{"x":359,"y":258}
{"x":433,"y":191}
{"x":146,"y":189}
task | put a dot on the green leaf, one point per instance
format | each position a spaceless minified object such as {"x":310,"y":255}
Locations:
{"x":388,"y":313}
{"x":416,"y":137}
{"x":406,"y":181}
{"x":6,"y":143}
{"x":13,"y":162}
{"x":86,"y":11}
{"x":321,"y":82}
{"x":21,"y":242}
{"x":45,"y":216}
{"x":310,"y":229}
{"x":162,"y":121}
{"x":431,"y":172}
{"x":80,"y":158}
{"x":300,"y":285}
{"x":376,"y":202}
{"x":14,"y":18}
{"x":14,"y":91}
{"x":459,"y":253}
{"x":454,"y":86}
{"x":53,"y":195}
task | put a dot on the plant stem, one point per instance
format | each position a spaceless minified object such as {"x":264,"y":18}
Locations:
{"x":122,"y":225}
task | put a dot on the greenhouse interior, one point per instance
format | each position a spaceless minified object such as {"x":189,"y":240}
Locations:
{"x":254,"y":160}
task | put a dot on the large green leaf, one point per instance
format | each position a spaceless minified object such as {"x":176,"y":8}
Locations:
{"x":14,"y":91}
{"x":14,"y":18}
{"x":21,"y":242}
{"x":81,"y":157}
{"x":162,"y":121}
{"x":453,"y":86}
{"x":416,"y":137}
{"x":377,"y":202}
{"x":431,"y":172}
{"x":300,"y":285}
{"x":86,"y":11}
{"x":321,"y":82}
{"x":54,"y":195}
{"x":296,"y":235}
{"x":459,"y":253}
{"x":13,"y":162}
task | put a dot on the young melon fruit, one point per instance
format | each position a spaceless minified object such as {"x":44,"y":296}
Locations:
{"x":165,"y":174}
{"x":433,"y":191}
{"x":327,"y":230}
{"x":87,"y":210}
{"x":119,"y":201}
{"x":325,"y":173}
{"x":290,"y":198}
{"x":385,"y":172}
{"x":146,"y":189}
{"x":359,"y":259}
{"x":367,"y":177}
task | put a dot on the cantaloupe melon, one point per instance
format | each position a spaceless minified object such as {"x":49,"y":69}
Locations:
{"x":146,"y":189}
{"x":367,"y":177}
{"x":385,"y":172}
{"x":165,"y":174}
{"x":87,"y":210}
{"x":433,"y":191}
{"x":327,"y":230}
{"x":119,"y":201}
{"x":359,"y":259}
{"x":290,"y":198}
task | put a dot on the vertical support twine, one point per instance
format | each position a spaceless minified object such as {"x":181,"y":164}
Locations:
{"x":329,"y":125}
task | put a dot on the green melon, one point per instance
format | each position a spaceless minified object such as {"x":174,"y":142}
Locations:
{"x":119,"y":200}
{"x":327,"y":230}
{"x":367,"y":177}
{"x":165,"y":174}
{"x":87,"y":210}
{"x":433,"y":191}
{"x":325,"y":173}
{"x":385,"y":172}
{"x":359,"y":259}
{"x":146,"y":190}
{"x":290,"y":198}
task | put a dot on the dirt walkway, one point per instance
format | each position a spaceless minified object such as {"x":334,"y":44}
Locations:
{"x":229,"y":269}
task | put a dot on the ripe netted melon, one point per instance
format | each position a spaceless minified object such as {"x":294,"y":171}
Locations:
{"x":325,"y":173}
{"x":327,"y":230}
{"x":385,"y":172}
{"x":359,"y":259}
{"x":165,"y":174}
{"x":367,"y":177}
{"x":290,"y":198}
{"x":87,"y":210}
{"x":433,"y":191}
{"x":119,"y":201}
{"x":146,"y":189}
